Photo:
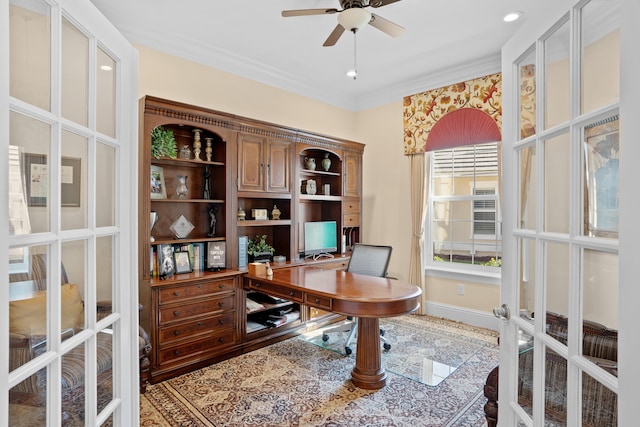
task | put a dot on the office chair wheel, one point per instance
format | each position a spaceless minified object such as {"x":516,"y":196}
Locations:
{"x":387,"y":346}
{"x":325,"y":337}
{"x":348,"y":350}
{"x":381,"y":332}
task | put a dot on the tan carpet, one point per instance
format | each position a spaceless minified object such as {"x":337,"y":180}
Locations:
{"x":297,"y":383}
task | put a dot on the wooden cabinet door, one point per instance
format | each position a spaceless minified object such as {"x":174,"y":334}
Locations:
{"x":352,"y":175}
{"x":278,"y":169}
{"x":250,"y":163}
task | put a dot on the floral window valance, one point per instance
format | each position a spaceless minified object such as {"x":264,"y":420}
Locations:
{"x":422,"y":112}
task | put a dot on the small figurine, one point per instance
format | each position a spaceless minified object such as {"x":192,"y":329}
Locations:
{"x":275,"y":213}
{"x":206,"y":194}
{"x":212,"y":221}
{"x":269,"y":270}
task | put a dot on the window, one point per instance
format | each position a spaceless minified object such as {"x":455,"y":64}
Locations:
{"x":464,"y":217}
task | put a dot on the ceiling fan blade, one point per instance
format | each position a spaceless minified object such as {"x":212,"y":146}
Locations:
{"x":334,"y":36}
{"x":386,"y":26}
{"x":380,"y":3}
{"x":304,"y":12}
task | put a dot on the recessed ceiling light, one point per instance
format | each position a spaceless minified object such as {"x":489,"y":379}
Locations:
{"x":352,"y":73}
{"x":513,"y":16}
{"x":106,"y":68}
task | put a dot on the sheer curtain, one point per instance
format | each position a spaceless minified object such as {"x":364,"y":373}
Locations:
{"x":419,"y":170}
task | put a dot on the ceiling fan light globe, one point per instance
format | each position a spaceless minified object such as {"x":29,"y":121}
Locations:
{"x":354,"y":19}
{"x":352,"y":73}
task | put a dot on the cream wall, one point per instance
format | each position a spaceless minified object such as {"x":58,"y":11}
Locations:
{"x":386,"y":201}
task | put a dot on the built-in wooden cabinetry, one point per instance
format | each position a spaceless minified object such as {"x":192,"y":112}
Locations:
{"x":201,"y":317}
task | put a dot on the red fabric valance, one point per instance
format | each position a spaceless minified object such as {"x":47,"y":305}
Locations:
{"x":466,"y":126}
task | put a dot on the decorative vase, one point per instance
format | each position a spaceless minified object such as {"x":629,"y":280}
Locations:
{"x":209,"y":149}
{"x":275,"y":213}
{"x":181,"y":189}
{"x":310,"y":163}
{"x":196,"y":143}
{"x":185,"y":152}
{"x":242,"y":215}
{"x":326,"y":162}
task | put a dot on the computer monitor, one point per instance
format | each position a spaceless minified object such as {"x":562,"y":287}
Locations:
{"x":320,"y":238}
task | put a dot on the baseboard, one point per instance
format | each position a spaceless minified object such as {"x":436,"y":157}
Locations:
{"x":464,"y":315}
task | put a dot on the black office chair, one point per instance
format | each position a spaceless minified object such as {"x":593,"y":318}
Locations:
{"x":372,"y":260}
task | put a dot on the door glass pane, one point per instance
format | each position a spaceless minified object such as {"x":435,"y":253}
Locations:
{"x":528,"y":192}
{"x":527,"y":275}
{"x":104,"y":362}
{"x":106,"y":94}
{"x":105,"y":268}
{"x":525,"y":370}
{"x":600,"y":41}
{"x":73,"y":175}
{"x":27,"y":401}
{"x":527,"y":80}
{"x":555,"y":389}
{"x":72,"y":314}
{"x":557,"y":286}
{"x":30,"y":52}
{"x":599,"y":404}
{"x":30,"y":140}
{"x":557,"y":106}
{"x":75,"y":74}
{"x":105,"y":185}
{"x":600,"y":307}
{"x":73,"y":386}
{"x":600,"y":178}
{"x":556,"y":182}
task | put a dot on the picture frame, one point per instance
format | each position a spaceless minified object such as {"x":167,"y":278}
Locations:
{"x":158,"y":187}
{"x":36,"y":178}
{"x":166,"y":263}
{"x":216,"y":255}
{"x":182,"y":262}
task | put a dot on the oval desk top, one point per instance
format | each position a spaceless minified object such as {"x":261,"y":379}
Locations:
{"x":352,"y":294}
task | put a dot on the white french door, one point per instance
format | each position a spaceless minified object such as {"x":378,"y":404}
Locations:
{"x":68,"y":295}
{"x":570,"y":212}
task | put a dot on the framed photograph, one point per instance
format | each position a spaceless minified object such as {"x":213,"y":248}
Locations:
{"x":166,"y":262}
{"x":216,"y":255}
{"x":158,"y":188}
{"x":182,"y":262}
{"x":36,"y":176}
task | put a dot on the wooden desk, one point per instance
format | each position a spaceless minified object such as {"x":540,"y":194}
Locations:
{"x":368,"y":298}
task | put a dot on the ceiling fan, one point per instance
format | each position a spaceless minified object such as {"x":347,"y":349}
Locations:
{"x":353,"y":16}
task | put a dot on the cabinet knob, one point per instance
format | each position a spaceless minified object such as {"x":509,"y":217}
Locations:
{"x":221,"y":286}
{"x":176,"y":293}
{"x":221,"y":339}
{"x":221,"y":304}
{"x":317,"y":301}
{"x":257,"y":285}
{"x":199,"y":323}
{"x":200,"y":286}
{"x":176,"y":333}
{"x":176,"y":313}
{"x":176,"y":352}
{"x":291,"y":293}
{"x":221,"y":321}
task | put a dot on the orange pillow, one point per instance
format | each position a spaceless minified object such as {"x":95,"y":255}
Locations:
{"x":29,"y":316}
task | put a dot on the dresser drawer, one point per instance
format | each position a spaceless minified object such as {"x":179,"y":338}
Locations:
{"x":351,"y":220}
{"x":185,"y":330}
{"x":195,"y":290}
{"x":195,"y":348}
{"x":318,"y":301}
{"x":276,"y":290}
{"x":350,"y":207}
{"x":186,"y":311}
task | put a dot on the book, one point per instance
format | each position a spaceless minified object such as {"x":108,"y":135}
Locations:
{"x":216,"y":255}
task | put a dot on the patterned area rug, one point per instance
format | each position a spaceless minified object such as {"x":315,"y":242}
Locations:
{"x":297,"y":383}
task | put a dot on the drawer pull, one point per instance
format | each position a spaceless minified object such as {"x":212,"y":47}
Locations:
{"x":176,"y":333}
{"x":176,"y":293}
{"x":221,"y":339}
{"x":291,"y":293}
{"x":199,"y":286}
{"x":317,"y":301}
{"x":257,"y":285}
{"x":176,"y":313}
{"x":221,"y":285}
{"x":176,"y":352}
{"x":199,"y":323}
{"x":221,"y":321}
{"x":221,"y":304}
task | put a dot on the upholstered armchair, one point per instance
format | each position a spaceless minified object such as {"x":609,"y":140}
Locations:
{"x":599,"y":404}
{"x":27,"y":338}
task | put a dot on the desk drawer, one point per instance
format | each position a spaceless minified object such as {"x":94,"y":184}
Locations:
{"x":195,"y":348}
{"x":351,"y":220}
{"x":276,"y":290}
{"x":185,"y":330}
{"x":350,"y":206}
{"x":318,"y":301}
{"x":185,"y":311}
{"x":195,"y":290}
